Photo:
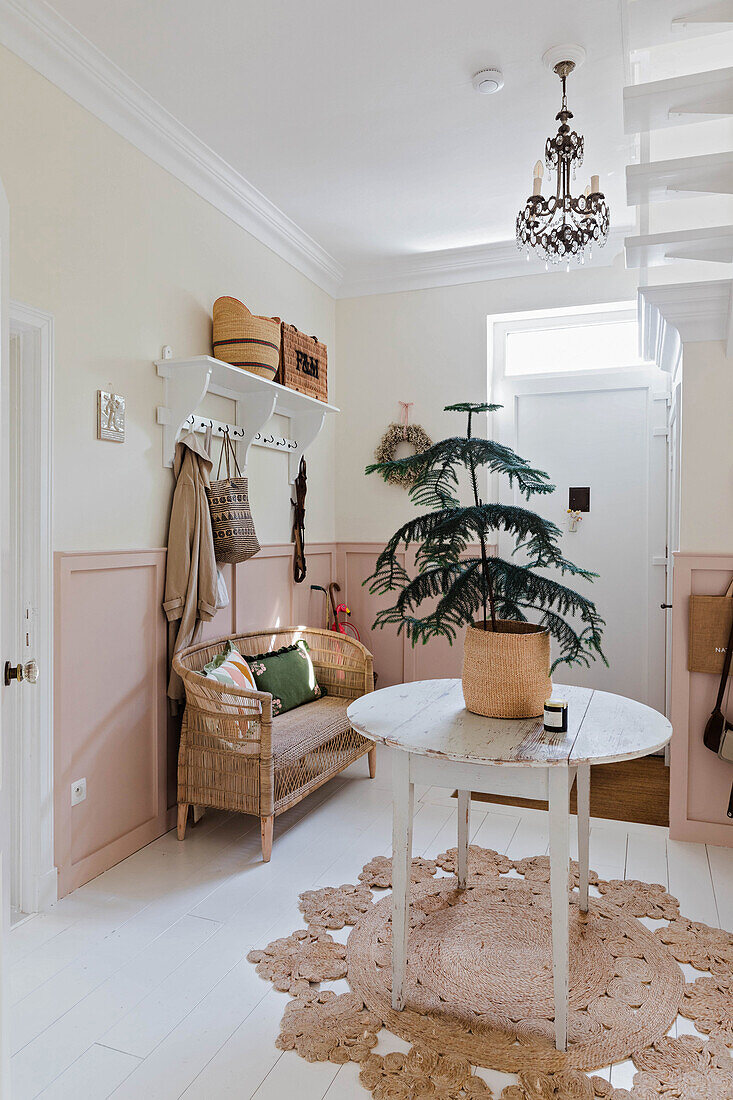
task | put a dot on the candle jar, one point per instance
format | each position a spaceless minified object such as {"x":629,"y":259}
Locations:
{"x":556,"y":716}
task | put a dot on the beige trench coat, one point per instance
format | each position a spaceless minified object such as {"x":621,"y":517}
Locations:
{"x":190,"y":579}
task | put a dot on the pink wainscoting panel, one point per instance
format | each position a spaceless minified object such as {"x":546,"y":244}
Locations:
{"x":111,"y":723}
{"x":224,"y":622}
{"x":700,"y":783}
{"x":263,"y":590}
{"x":109,"y":708}
{"x":111,"y":717}
{"x":267,"y":595}
{"x":355,"y":563}
{"x":395,"y":659}
{"x":309,"y":607}
{"x":439,"y":659}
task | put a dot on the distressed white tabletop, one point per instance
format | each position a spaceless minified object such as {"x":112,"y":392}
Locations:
{"x":429,"y":717}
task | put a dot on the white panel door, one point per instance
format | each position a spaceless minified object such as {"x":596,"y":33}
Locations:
{"x":7,"y":627}
{"x":603,"y":438}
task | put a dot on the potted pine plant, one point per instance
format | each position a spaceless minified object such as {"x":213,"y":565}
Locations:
{"x":512,"y":608}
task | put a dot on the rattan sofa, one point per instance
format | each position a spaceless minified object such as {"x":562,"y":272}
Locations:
{"x":235,"y":756}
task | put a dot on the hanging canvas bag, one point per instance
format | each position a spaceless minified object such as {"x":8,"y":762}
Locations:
{"x":711,"y":619}
{"x":235,"y":538}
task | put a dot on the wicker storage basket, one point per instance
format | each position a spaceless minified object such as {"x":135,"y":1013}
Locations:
{"x":506,"y":674}
{"x":303,"y":363}
{"x":245,"y":340}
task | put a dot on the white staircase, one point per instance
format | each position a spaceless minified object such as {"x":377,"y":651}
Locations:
{"x":684,"y":247}
{"x":659,"y":180}
{"x":657,"y":22}
{"x":695,"y":97}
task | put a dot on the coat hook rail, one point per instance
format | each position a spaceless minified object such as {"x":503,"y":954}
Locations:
{"x":220,"y":427}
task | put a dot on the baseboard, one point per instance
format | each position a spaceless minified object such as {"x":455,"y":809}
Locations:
{"x":89,"y":867}
{"x":46,"y":890}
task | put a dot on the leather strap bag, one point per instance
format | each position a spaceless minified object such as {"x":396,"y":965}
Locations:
{"x":232,"y":526}
{"x":298,"y":534}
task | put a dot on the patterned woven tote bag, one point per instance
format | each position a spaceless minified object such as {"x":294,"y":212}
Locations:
{"x":232,"y":526}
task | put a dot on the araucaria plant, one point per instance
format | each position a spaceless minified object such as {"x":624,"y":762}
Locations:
{"x":464,"y":587}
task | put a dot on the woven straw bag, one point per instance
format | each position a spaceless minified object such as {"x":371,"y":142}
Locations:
{"x":245,"y":340}
{"x":232,"y":526}
{"x":506,"y":674}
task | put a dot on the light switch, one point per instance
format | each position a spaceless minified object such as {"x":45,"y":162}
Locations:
{"x":579,"y":499}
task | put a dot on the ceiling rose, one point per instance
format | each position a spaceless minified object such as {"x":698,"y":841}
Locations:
{"x":561,"y":228}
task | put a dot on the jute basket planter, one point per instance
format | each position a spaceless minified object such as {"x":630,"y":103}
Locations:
{"x":506,"y":674}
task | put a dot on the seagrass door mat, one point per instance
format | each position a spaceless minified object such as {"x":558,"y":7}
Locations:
{"x":631,"y":790}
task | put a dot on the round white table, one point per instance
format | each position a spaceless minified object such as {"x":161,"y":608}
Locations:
{"x":438,"y":742}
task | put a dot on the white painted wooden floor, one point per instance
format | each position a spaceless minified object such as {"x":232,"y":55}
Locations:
{"x":137,"y":986}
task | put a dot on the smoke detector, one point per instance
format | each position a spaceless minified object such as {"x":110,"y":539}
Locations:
{"x":488,"y":81}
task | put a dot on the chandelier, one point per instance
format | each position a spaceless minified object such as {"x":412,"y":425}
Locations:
{"x":561,"y":228}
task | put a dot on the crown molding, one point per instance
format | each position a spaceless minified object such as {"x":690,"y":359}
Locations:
{"x":451,"y":266}
{"x":681,"y":313}
{"x":55,"y":49}
{"x":38,"y":35}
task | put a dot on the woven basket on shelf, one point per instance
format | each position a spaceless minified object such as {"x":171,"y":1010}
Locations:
{"x":506,"y":674}
{"x":303,"y":363}
{"x":245,"y":340}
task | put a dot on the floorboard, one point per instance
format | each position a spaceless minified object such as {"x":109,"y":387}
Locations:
{"x":137,"y":984}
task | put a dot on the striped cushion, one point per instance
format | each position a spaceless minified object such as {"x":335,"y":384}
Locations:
{"x":231,"y":669}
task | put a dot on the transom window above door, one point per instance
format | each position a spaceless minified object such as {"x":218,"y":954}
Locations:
{"x":573,"y":343}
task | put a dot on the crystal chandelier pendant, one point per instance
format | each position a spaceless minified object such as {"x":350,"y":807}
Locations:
{"x":561,"y":227}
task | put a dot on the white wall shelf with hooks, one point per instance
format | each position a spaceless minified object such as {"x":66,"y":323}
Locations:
{"x":186,"y":383}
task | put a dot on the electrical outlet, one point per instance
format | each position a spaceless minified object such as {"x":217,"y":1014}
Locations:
{"x":78,"y":791}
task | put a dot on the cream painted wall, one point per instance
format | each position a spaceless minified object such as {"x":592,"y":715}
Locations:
{"x":706,"y":482}
{"x":428,"y":347}
{"x":127,"y":259}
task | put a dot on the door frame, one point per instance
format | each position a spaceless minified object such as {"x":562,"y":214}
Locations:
{"x":34,"y":878}
{"x":674,"y":455}
{"x":6,"y":707}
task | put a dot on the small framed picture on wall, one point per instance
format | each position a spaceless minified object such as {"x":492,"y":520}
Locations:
{"x":110,"y":416}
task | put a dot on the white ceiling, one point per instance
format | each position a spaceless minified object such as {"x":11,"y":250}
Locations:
{"x":357,"y":117}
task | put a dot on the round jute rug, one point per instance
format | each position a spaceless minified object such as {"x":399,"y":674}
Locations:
{"x":479,"y":977}
{"x":479,"y":986}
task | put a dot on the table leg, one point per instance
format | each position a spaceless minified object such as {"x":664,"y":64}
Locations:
{"x":583,"y":782}
{"x":559,"y":868}
{"x":464,"y":819}
{"x":403,"y":796}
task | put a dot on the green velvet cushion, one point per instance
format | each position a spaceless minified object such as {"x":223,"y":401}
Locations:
{"x":288,"y":675}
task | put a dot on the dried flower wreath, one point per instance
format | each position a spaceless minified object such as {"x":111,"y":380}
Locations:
{"x":396,"y":434}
